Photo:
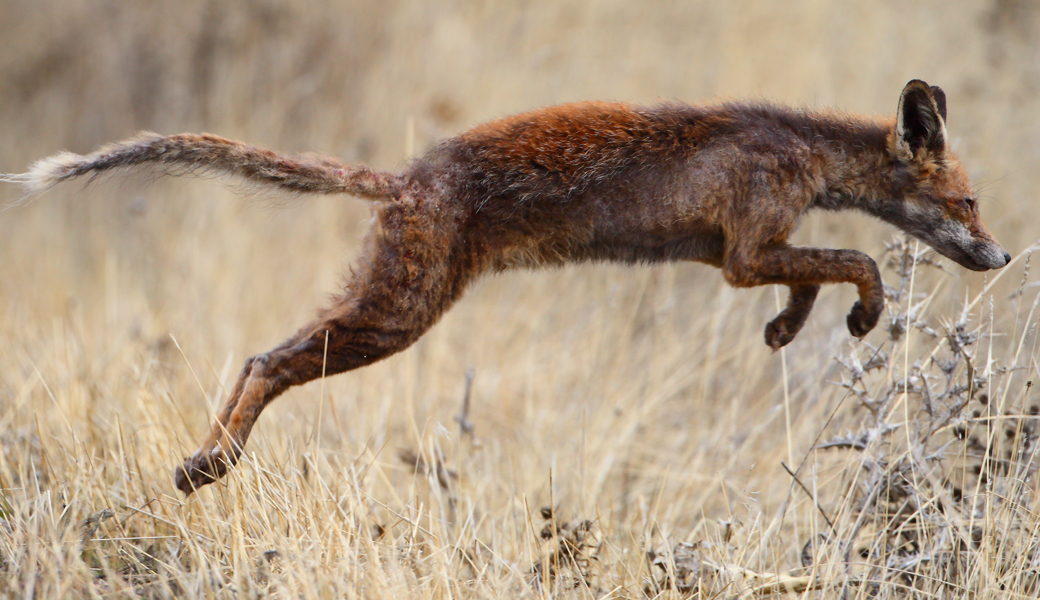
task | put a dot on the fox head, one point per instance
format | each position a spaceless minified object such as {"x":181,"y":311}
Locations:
{"x":934,"y":199}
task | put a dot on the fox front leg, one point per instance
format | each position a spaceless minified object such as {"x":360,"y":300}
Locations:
{"x":804,"y":270}
{"x":781,"y":330}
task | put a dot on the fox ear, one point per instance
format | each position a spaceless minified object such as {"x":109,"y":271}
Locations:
{"x":920,"y":121}
{"x":940,"y":101}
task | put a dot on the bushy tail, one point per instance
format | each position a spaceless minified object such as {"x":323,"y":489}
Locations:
{"x":192,"y":153}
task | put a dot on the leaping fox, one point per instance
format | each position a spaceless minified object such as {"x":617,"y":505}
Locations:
{"x":723,"y":184}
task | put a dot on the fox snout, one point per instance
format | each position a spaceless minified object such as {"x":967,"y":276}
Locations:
{"x":986,"y":255}
{"x":977,"y":251}
{"x":965,"y":241}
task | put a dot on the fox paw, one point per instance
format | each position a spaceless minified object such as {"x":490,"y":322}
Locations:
{"x":861,"y":319}
{"x":780,"y":331}
{"x":202,"y":468}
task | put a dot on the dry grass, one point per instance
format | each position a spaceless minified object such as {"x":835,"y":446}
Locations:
{"x":639,"y":406}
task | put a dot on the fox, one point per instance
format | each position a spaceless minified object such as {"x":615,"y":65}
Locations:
{"x":724,"y":184}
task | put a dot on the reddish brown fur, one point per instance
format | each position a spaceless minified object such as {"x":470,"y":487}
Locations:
{"x":723,"y":185}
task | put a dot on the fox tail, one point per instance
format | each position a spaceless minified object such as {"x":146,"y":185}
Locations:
{"x":201,"y":153}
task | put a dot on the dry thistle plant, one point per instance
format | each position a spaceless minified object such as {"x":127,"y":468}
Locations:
{"x":941,"y":501}
{"x":936,"y":492}
{"x":568,"y":552}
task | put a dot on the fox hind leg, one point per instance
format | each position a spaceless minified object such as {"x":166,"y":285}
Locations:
{"x":404,"y":282}
{"x":263,"y":378}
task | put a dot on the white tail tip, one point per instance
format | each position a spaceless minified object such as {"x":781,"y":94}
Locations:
{"x":43,"y":174}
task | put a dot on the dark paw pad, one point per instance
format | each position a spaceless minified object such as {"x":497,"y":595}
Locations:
{"x":861,"y":320}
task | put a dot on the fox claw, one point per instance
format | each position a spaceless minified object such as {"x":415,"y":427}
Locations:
{"x":861,"y":320}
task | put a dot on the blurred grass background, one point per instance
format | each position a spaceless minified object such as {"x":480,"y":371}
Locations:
{"x":646,"y":393}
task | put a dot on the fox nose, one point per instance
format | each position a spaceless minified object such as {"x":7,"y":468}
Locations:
{"x":1007,"y":258}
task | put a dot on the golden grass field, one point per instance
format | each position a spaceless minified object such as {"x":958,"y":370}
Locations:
{"x":640,"y":400}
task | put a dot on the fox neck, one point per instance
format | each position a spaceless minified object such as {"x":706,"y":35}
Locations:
{"x":860,"y":174}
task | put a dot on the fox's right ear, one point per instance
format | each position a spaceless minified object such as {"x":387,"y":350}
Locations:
{"x":920,"y":122}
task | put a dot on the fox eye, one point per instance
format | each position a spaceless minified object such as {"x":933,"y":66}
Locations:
{"x":969,"y":203}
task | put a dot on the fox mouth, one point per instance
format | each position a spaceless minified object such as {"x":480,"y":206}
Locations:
{"x":967,"y":263}
{"x":987,"y":263}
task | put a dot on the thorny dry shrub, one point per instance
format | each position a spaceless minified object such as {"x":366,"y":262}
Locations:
{"x":946,"y":484}
{"x":936,"y":496}
{"x":567,"y":553}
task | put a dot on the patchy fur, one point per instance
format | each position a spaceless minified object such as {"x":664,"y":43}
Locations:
{"x":724,"y":185}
